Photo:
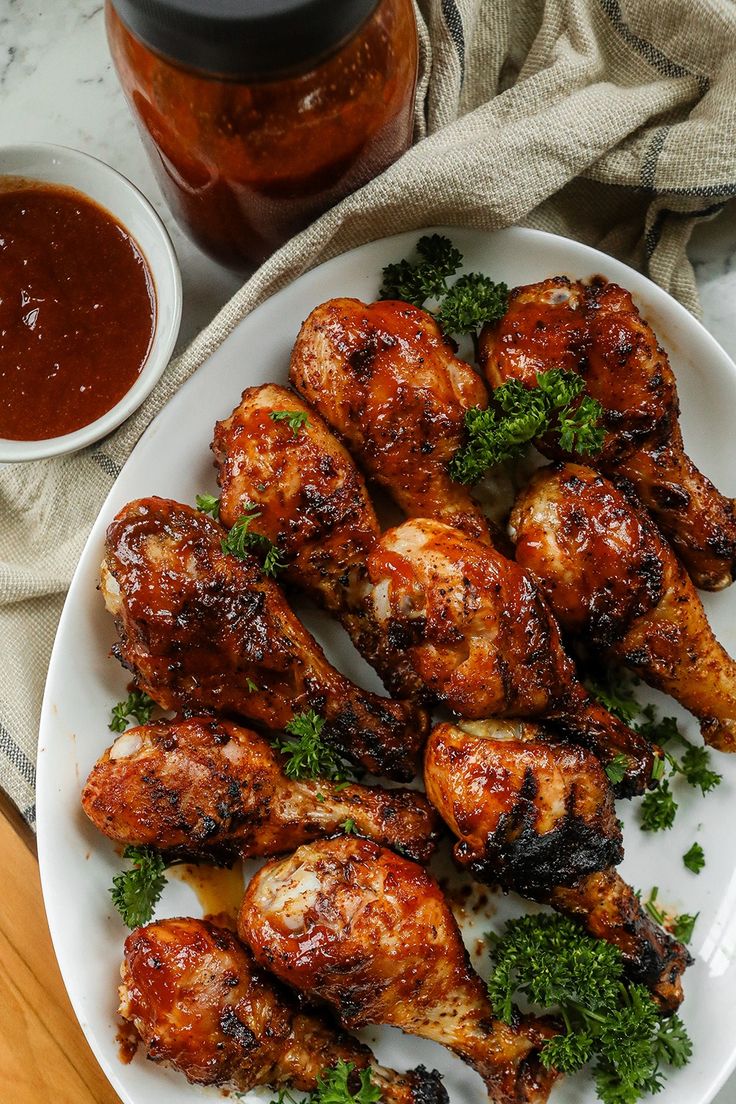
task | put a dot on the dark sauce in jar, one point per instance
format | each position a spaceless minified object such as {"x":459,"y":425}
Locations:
{"x":245,"y":161}
{"x":77,"y":310}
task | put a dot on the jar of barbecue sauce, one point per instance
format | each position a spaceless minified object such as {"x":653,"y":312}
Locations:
{"x":258,"y":115}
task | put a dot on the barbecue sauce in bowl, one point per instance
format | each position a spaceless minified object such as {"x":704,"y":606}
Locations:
{"x":77,"y":310}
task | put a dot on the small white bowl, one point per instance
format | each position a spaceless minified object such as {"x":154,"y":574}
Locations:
{"x":95,"y":179}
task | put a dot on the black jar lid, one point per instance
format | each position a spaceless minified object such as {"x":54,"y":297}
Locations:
{"x":244,"y":38}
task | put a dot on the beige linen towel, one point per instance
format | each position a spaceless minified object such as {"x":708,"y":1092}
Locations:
{"x":610,"y":121}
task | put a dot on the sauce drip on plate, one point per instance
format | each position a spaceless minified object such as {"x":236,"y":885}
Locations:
{"x":77,"y":310}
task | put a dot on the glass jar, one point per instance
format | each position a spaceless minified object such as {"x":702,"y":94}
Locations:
{"x":257,"y":123}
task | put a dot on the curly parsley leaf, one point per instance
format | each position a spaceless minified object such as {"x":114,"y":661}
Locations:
{"x":616,"y":769}
{"x":334,"y":1087}
{"x":694,"y":858}
{"x":241,"y":541}
{"x":464,"y":306}
{"x":658,"y":809}
{"x":137,"y":705}
{"x":608,"y":1021}
{"x":517,"y":415}
{"x":295,"y":419}
{"x":683,"y":925}
{"x":416,"y":281}
{"x":473,"y":300}
{"x":208,"y":504}
{"x":136,"y":892}
{"x":695,"y":768}
{"x":308,"y":755}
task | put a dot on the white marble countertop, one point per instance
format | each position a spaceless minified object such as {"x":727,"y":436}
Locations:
{"x":57,"y":85}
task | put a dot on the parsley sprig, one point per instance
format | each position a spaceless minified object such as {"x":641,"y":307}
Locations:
{"x":295,"y":419}
{"x":241,"y":541}
{"x":137,"y":705}
{"x":464,"y":306}
{"x":608,"y":1021}
{"x":658,"y":808}
{"x":208,"y":504}
{"x":333,"y":1087}
{"x":694,"y":858}
{"x":136,"y":892}
{"x":308,"y":755}
{"x":517,"y":415}
{"x":681,"y":924}
{"x":417,"y":281}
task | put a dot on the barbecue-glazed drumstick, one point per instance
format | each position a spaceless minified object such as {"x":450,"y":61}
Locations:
{"x":372,"y":935}
{"x":538,"y":817}
{"x":609,"y":909}
{"x":388,"y":382}
{"x":204,"y":631}
{"x":530,"y":811}
{"x":201,"y":1005}
{"x":597,"y":331}
{"x":614,"y":582}
{"x":206,"y":787}
{"x":313,"y":505}
{"x":482,"y":637}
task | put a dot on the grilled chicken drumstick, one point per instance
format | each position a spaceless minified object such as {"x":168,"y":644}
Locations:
{"x":201,"y":1005}
{"x":597,"y":331}
{"x":538,"y":817}
{"x":372,"y":935}
{"x":206,"y":787}
{"x":313,"y":505}
{"x":387,"y":380}
{"x":481,"y":636}
{"x":204,"y":631}
{"x":614,"y":582}
{"x":531,"y":812}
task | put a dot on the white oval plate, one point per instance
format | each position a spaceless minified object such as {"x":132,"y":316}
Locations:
{"x":173,"y":459}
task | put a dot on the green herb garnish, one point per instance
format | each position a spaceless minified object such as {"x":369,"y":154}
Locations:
{"x":294,"y":418}
{"x":658,"y":809}
{"x":348,"y":826}
{"x":308,"y":754}
{"x":616,"y":769}
{"x":517,"y":415}
{"x":135,"y":892}
{"x":680,"y":925}
{"x":415,"y":282}
{"x":472,"y":300}
{"x":241,"y":541}
{"x":208,"y":504}
{"x":694,"y":858}
{"x":137,"y":705}
{"x":333,"y":1087}
{"x":608,"y":1021}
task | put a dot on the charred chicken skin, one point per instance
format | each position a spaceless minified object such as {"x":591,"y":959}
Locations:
{"x":371,"y":934}
{"x":609,"y":909}
{"x":597,"y":331}
{"x":387,"y":380}
{"x":204,"y":631}
{"x":613,"y":581}
{"x":206,"y":787}
{"x":313,"y":504}
{"x":482,"y":637}
{"x":538,"y":817}
{"x":530,"y":812}
{"x":201,"y":1005}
